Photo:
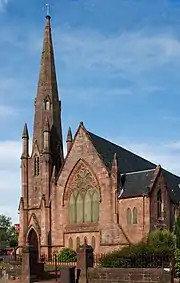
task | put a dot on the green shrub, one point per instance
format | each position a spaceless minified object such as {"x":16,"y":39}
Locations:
{"x":140,"y":255}
{"x":67,"y":255}
{"x":177,"y":262}
{"x":160,"y":239}
{"x":177,"y":231}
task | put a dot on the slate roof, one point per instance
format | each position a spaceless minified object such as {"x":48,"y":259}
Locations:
{"x":138,"y":171}
{"x":128,"y":161}
{"x":137,"y":183}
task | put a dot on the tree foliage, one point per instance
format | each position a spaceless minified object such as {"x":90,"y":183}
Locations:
{"x":162,"y":238}
{"x":8,"y":233}
{"x":177,"y":231}
{"x":67,"y":255}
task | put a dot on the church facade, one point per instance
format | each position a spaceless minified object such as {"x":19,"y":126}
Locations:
{"x":99,"y":191}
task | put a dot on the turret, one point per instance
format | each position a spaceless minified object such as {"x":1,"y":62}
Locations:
{"x":25,"y":142}
{"x":69,"y":140}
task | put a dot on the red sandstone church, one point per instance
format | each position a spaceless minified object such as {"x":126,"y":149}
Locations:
{"x":98,"y":191}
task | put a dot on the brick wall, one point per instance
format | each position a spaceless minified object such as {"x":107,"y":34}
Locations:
{"x":128,"y":275}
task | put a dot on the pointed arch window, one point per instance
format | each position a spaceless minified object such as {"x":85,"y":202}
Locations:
{"x":129,"y":216}
{"x":47,"y":103}
{"x":70,"y":243}
{"x":93,"y":242}
{"x":77,"y":243}
{"x":84,"y":198}
{"x":36,"y":165}
{"x":159,"y":204}
{"x":134,"y":215}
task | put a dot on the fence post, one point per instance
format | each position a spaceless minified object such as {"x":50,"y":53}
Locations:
{"x":56,"y":272}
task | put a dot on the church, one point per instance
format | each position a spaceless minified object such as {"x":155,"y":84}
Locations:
{"x":99,"y":191}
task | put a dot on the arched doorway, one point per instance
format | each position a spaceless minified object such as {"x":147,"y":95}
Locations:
{"x":33,"y":242}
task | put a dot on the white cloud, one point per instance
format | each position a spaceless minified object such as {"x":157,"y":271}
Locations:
{"x":10,"y":178}
{"x":3,"y":4}
{"x":165,"y":154}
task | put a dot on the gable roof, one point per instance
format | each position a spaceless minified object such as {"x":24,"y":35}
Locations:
{"x":139,"y":171}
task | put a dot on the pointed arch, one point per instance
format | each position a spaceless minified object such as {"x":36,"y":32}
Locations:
{"x":135,"y":215}
{"x":129,"y":216}
{"x":33,"y":240}
{"x":93,"y":242}
{"x":77,"y":243}
{"x":47,"y":103}
{"x":33,"y":223}
{"x":74,"y":171}
{"x":71,"y":243}
{"x":82,"y":195}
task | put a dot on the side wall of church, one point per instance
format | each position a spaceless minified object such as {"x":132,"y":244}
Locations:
{"x":134,"y":217}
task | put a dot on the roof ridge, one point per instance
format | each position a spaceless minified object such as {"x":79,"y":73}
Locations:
{"x":142,"y":171}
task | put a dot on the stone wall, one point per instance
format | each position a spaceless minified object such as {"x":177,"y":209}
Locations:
{"x":128,"y":275}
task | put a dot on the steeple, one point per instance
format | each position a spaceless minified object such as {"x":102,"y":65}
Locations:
{"x":47,"y":104}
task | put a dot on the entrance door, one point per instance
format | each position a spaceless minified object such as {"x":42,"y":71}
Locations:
{"x":33,"y":241}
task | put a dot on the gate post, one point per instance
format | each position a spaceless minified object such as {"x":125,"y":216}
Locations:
{"x":85,"y":259}
{"x":26,"y":273}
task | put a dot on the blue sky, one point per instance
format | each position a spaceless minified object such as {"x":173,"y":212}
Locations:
{"x":118,"y":68}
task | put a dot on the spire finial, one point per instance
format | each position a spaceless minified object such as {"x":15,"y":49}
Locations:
{"x":47,"y":10}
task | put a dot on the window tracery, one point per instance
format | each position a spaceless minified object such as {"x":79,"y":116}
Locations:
{"x":84,"y":197}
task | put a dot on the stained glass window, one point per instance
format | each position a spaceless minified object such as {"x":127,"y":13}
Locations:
{"x":84,"y":197}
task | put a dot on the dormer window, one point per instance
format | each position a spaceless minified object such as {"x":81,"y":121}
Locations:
{"x":47,"y":103}
{"x":36,"y":165}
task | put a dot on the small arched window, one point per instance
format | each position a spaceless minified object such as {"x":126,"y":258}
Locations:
{"x":47,"y":103}
{"x":159,"y":204}
{"x":77,"y":243}
{"x":85,"y":240}
{"x":129,"y":216}
{"x":36,"y":165}
{"x":134,"y":215}
{"x":93,"y":242}
{"x":70,"y":243}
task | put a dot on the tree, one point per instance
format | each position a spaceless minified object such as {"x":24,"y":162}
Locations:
{"x":177,"y":231}
{"x":8,"y":233}
{"x":161,"y":238}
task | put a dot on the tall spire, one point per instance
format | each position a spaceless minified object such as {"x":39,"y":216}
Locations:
{"x":47,"y":104}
